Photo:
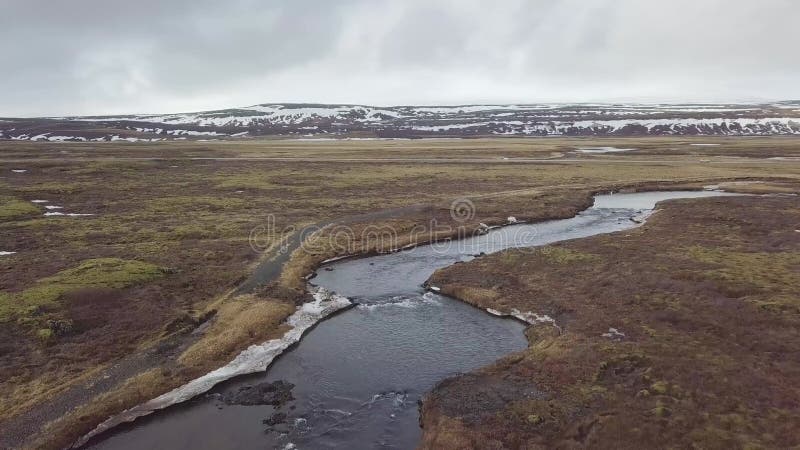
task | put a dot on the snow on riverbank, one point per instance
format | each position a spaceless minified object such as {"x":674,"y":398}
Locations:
{"x":255,"y":358}
{"x":603,"y":149}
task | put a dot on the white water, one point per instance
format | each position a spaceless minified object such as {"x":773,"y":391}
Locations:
{"x":357,"y":351}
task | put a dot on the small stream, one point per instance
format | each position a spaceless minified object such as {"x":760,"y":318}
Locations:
{"x":358,"y":375}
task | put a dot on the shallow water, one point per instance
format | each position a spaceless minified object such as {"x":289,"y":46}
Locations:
{"x":359,"y":375}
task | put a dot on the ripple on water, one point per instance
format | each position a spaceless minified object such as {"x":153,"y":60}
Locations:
{"x":358,"y":375}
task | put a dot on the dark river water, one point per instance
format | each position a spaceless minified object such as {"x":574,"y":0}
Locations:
{"x":359,"y":374}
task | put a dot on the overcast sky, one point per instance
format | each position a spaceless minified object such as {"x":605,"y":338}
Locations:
{"x":108,"y":56}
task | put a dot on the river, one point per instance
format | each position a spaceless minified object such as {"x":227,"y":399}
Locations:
{"x":358,"y":375}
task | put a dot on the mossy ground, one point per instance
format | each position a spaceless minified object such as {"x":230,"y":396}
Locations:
{"x":39,"y":303}
{"x":706,"y":295}
{"x":14,"y":208}
{"x":194,"y":217}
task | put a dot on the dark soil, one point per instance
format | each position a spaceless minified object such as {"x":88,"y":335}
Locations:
{"x":705,"y":301}
{"x":193,"y":218}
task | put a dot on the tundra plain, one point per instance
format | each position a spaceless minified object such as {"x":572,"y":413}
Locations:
{"x":122,"y":260}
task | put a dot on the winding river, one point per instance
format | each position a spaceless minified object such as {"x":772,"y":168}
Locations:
{"x":358,"y":376}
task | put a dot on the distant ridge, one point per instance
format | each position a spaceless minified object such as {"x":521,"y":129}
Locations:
{"x":315,"y":121}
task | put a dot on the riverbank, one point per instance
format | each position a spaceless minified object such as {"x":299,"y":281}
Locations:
{"x":133,"y":338}
{"x":247,"y":362}
{"x":678,"y":333}
{"x":381,"y":356}
{"x":223,"y":338}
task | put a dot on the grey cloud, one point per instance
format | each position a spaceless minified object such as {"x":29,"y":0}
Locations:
{"x":95,"y":56}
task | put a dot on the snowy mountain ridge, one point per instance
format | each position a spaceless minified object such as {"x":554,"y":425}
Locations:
{"x":332,"y":121}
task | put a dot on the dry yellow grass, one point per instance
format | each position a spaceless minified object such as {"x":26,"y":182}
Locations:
{"x":194,"y":220}
{"x":239,"y":322}
{"x":137,"y":389}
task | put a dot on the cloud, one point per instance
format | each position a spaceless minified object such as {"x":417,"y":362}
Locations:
{"x":93,"y":56}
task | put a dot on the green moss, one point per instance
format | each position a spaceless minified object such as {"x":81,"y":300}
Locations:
{"x":6,"y":302}
{"x":535,"y":419}
{"x":46,"y":335}
{"x":111,"y":273}
{"x":106,"y":272}
{"x":39,"y":296}
{"x":659,"y":387}
{"x":563,"y":256}
{"x":649,"y":330}
{"x":782,"y":304}
{"x":623,"y":365}
{"x":176,"y":204}
{"x":193,"y":232}
{"x":13,"y":208}
{"x":661,"y":411}
{"x":765,"y":279}
{"x":752,"y":446}
{"x":247,"y":181}
{"x":764,"y":270}
{"x":58,"y":187}
{"x":509,"y":257}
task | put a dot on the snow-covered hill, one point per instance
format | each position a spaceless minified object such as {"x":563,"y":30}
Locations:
{"x":340,"y":121}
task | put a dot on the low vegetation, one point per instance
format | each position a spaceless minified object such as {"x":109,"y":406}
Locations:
{"x":144,"y":284}
{"x":14,"y":208}
{"x":39,"y":303}
{"x":245,"y":321}
{"x":679,"y":334}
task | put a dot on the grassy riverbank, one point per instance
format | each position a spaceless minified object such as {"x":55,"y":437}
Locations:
{"x":102,"y":311}
{"x":681,"y":333}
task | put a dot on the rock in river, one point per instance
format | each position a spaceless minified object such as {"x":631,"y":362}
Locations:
{"x":276,"y":394}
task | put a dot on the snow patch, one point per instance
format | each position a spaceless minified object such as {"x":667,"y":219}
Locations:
{"x":330,"y":260}
{"x":538,"y":119}
{"x":4,"y":253}
{"x":57,"y":213}
{"x":66,"y":139}
{"x":528,"y":317}
{"x":532,"y":318}
{"x":603,"y":149}
{"x":255,"y":358}
{"x":194,"y":133}
{"x":613,"y":333}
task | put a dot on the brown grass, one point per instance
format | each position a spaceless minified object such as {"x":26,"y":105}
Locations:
{"x":191,"y":220}
{"x":705,"y":294}
{"x":137,"y":389}
{"x":240,"y":321}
